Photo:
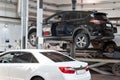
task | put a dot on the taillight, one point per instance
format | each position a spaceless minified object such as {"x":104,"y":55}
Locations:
{"x":46,"y":33}
{"x":97,"y":21}
{"x":68,"y":70}
{"x":87,"y":69}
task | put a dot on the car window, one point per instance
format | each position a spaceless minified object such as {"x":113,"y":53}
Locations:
{"x":55,"y":18}
{"x":100,"y":16}
{"x":57,"y":57}
{"x":24,"y":57}
{"x":84,"y":15}
{"x":6,"y":58}
{"x":18,"y":57}
{"x":71,"y":15}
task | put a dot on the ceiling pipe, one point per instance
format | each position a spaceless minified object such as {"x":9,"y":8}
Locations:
{"x":19,"y":8}
{"x":81,"y":4}
{"x":74,"y":4}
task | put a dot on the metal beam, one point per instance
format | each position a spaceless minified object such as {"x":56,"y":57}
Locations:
{"x":99,"y":60}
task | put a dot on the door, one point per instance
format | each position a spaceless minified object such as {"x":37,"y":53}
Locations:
{"x":70,"y":20}
{"x":5,"y":66}
{"x":4,"y":71}
{"x":22,"y":66}
{"x":20,"y":71}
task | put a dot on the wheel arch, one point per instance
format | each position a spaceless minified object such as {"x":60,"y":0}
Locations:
{"x":31,"y":29}
{"x":80,"y":29}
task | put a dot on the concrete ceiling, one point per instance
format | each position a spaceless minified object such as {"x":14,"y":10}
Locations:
{"x":61,"y":4}
{"x":66,"y":3}
{"x":52,"y":6}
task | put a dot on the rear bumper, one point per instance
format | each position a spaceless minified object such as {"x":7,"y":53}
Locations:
{"x":86,"y":76}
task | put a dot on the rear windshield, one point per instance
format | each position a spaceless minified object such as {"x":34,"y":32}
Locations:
{"x":100,"y":16}
{"x":57,"y":57}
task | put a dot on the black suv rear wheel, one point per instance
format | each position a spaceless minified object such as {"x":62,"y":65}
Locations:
{"x":82,"y":40}
{"x":32,"y":38}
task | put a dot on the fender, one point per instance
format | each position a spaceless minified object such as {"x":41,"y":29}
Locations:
{"x":81,"y":28}
{"x":31,"y":29}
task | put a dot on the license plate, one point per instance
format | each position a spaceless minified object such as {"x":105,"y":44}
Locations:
{"x":80,"y":72}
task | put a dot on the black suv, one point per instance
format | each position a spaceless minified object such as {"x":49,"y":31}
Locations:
{"x":81,"y":26}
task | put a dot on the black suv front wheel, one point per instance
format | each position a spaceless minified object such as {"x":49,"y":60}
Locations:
{"x":82,"y":40}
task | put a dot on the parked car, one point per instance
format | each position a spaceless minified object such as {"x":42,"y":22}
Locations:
{"x":81,"y":26}
{"x":117,"y":36}
{"x":35,"y":64}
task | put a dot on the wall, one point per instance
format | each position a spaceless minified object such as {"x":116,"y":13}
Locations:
{"x":9,"y":35}
{"x":7,"y":9}
{"x":111,"y":7}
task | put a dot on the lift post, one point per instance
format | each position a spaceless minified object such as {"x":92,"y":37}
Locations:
{"x":24,"y":24}
{"x":72,"y":49}
{"x":39,"y":23}
{"x":74,"y":5}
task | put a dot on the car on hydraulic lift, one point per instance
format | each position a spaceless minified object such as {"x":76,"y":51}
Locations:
{"x":82,"y":27}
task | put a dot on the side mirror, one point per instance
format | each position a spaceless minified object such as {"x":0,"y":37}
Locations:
{"x":114,"y":29}
{"x":44,"y":22}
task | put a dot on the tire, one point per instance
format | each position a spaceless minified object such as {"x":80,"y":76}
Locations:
{"x":37,"y":78}
{"x":97,"y":44}
{"x":82,"y":41}
{"x":109,"y":44}
{"x":32,"y":38}
{"x":116,"y":69}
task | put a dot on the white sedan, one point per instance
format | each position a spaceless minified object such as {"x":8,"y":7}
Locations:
{"x":33,"y":64}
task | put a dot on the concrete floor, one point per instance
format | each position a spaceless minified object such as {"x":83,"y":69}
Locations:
{"x":96,"y":76}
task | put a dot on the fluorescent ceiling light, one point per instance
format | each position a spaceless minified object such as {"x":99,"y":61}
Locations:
{"x":89,"y":1}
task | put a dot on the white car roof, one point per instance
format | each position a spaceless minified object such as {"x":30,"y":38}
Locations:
{"x":33,"y":50}
{"x":30,"y":50}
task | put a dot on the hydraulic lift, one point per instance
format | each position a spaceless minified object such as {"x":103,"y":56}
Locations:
{"x":25,"y":21}
{"x":96,"y":62}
